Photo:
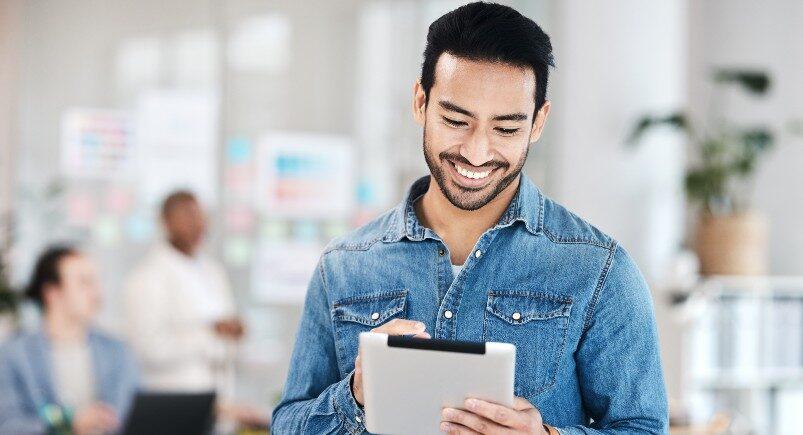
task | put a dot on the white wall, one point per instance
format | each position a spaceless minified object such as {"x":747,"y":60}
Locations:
{"x":764,"y":35}
{"x":10,"y":19}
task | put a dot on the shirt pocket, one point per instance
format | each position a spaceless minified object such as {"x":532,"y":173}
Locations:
{"x":362,"y":313}
{"x":537,"y":324}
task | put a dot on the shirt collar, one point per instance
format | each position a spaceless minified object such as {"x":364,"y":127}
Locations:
{"x":527,"y":207}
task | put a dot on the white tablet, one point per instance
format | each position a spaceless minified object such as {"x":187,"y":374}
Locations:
{"x":407,"y":381}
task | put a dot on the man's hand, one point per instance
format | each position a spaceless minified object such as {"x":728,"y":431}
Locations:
{"x":481,"y":417}
{"x":97,"y":418}
{"x":231,"y":328}
{"x":394,"y":327}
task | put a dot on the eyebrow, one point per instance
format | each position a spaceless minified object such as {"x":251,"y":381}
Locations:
{"x":455,"y":108}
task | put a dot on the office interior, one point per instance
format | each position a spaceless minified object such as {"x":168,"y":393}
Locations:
{"x":290,"y":121}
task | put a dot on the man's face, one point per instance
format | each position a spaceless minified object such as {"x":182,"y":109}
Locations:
{"x":78,"y":292}
{"x":478,"y":124}
{"x":186,"y":224}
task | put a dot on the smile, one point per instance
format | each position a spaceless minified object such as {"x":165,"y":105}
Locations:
{"x":468,"y":178}
{"x":470,"y":174}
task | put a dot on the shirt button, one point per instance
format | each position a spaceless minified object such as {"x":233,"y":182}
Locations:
{"x":447,"y":314}
{"x":516,"y":316}
{"x":374,"y":316}
{"x":478,"y":253}
{"x":359,"y":420}
{"x":441,"y":252}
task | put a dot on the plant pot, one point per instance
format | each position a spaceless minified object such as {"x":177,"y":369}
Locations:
{"x":734,"y":244}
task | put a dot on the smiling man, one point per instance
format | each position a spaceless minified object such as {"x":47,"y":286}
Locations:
{"x":476,"y":252}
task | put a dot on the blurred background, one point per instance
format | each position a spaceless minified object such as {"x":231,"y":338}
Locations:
{"x":676,"y":127}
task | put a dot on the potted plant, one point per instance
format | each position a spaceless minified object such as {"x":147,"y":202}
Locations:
{"x":730,"y":237}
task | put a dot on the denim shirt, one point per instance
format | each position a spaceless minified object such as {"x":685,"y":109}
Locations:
{"x":567,"y":295}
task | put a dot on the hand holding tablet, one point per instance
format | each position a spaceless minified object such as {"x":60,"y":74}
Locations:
{"x":407,"y":382}
{"x":394,"y":327}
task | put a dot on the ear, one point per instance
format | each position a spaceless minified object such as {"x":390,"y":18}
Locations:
{"x":419,"y":103}
{"x":540,"y":121}
{"x":49,"y":291}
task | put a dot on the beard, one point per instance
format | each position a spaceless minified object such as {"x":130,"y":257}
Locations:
{"x":466,"y":198}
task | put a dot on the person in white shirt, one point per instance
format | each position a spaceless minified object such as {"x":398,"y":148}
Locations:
{"x":180,"y":315}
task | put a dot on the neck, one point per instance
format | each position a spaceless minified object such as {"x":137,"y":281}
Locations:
{"x":61,"y":328}
{"x":184,"y":248}
{"x":457,"y":226}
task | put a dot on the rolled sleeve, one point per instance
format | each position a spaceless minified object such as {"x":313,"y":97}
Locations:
{"x":347,"y":408}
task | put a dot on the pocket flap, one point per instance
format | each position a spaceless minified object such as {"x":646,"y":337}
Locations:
{"x":517,"y":307}
{"x":372,"y":309}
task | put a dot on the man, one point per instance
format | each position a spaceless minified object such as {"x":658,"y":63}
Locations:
{"x":67,"y":375}
{"x":477,"y":252}
{"x":180,"y":312}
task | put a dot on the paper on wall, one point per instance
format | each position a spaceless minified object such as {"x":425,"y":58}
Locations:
{"x":282,"y":271}
{"x":177,"y":136}
{"x":97,"y":144}
{"x":305,"y":175}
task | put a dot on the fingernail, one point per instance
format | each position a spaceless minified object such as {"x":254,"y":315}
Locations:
{"x":447,"y":413}
{"x":420,"y":325}
{"x":471,"y":403}
{"x":445,"y":427}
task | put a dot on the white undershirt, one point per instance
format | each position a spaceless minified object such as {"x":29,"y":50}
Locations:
{"x":456,"y":270}
{"x":72,"y":373}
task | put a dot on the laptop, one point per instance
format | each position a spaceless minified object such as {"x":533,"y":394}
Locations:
{"x":171,"y":413}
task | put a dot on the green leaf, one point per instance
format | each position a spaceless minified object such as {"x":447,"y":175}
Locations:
{"x":758,"y":139}
{"x":706,"y":184}
{"x":757,"y":82}
{"x":677,"y":120}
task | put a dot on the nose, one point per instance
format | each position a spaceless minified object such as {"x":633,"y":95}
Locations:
{"x":477,"y":149}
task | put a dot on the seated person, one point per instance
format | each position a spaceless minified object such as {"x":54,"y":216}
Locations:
{"x":67,"y":375}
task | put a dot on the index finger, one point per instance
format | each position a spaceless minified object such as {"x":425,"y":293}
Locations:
{"x":401,"y":327}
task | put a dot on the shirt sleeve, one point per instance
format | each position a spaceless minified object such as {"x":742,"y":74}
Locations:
{"x":316,"y":398}
{"x":15,"y":416}
{"x":618,"y":359}
{"x":127,"y":384}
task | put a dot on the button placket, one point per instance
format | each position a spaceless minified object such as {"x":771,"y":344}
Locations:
{"x":446,"y":324}
{"x":442,"y":267}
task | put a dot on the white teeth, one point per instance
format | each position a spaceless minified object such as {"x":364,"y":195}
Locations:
{"x":473,"y":175}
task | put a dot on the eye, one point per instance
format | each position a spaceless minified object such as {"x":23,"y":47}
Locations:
{"x":454,"y":123}
{"x":507,"y":131}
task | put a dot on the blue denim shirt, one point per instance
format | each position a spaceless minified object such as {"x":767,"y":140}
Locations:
{"x":568,"y":296}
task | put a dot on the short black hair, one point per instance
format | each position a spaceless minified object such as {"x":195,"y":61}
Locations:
{"x":46,"y":271}
{"x":175,"y":198}
{"x":489,"y":32}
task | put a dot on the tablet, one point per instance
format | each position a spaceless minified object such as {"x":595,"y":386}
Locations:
{"x":407,"y":381}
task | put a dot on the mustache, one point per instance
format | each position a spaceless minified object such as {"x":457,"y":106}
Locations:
{"x":492,"y":164}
